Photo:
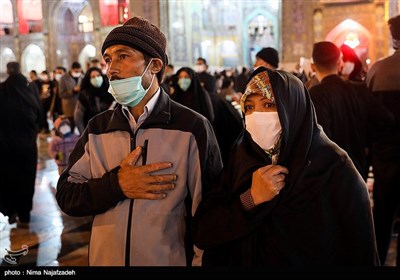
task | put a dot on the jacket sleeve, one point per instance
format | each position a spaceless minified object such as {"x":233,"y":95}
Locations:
{"x":78,"y":194}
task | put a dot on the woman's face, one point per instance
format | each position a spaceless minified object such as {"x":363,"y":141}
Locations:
{"x":183,"y":74}
{"x":258,"y":103}
{"x":94,"y":74}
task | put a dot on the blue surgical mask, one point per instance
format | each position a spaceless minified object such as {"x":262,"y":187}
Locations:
{"x":129,"y":91}
{"x":184,"y":83}
{"x":96,"y":81}
{"x":228,"y":98}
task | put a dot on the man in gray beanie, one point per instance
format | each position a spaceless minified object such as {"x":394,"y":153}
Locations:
{"x":267,"y":57}
{"x":142,"y":168}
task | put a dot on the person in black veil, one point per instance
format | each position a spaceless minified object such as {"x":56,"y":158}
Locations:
{"x":189,"y":92}
{"x":289,"y":196}
{"x":20,"y":112}
{"x":93,"y":99}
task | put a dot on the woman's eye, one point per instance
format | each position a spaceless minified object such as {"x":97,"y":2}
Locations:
{"x":248,"y":108}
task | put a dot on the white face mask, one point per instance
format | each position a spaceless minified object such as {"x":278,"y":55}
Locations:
{"x":264,"y":128}
{"x":200,"y":68}
{"x":348,"y":67}
{"x":58,"y":77}
{"x":76,"y":74}
{"x":64,"y":129}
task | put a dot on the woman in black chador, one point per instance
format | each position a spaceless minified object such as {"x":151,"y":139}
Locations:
{"x":289,"y":196}
{"x":20,"y":112}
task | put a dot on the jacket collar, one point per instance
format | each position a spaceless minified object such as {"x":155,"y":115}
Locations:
{"x":161,"y":114}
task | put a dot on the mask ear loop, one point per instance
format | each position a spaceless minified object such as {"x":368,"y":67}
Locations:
{"x":147,"y":67}
{"x":152,"y":79}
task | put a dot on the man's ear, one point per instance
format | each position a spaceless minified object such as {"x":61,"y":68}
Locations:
{"x":340,"y":65}
{"x":156,"y":65}
{"x":313,"y":68}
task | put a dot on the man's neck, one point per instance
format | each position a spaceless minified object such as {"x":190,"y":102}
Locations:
{"x":138,"y":110}
{"x":321,"y":75}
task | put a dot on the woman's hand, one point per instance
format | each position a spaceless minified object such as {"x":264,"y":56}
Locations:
{"x":267,"y":182}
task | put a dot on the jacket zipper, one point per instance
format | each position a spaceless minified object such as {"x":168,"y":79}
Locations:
{"x":128,"y":232}
{"x":129,"y":227}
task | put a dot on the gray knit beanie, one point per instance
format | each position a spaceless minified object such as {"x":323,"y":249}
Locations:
{"x":141,"y":35}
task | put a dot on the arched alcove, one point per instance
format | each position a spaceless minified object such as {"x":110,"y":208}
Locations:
{"x":71,"y":28}
{"x":87,"y":53}
{"x":85,"y":20}
{"x":355,"y":35}
{"x":6,"y":56}
{"x":260,"y":29}
{"x":32,"y":59}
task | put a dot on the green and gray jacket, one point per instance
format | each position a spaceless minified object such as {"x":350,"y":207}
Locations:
{"x":140,"y":232}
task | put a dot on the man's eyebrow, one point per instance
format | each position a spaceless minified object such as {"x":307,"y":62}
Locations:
{"x":120,"y":49}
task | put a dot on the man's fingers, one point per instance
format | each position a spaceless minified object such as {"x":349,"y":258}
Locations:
{"x":161,"y":188}
{"x":156,"y":166}
{"x":153,"y":196}
{"x":132,"y":158}
{"x":166,"y":178}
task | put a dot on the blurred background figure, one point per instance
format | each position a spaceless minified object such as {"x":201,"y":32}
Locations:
{"x":48,"y":91}
{"x":346,"y":110}
{"x":241,"y":80}
{"x":167,"y":79}
{"x":384,"y":80}
{"x":267,"y":57}
{"x":228,"y":122}
{"x":20,"y":112}
{"x":56,"y":107}
{"x":352,"y":68}
{"x":300,"y":73}
{"x":93,"y":99}
{"x":189,"y":92}
{"x":70,"y":86}
{"x":208,"y":81}
{"x":62,"y":143}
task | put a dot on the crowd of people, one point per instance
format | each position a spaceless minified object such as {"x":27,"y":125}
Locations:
{"x":180,"y":167}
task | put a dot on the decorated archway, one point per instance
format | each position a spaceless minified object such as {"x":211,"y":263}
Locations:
{"x":353,"y":34}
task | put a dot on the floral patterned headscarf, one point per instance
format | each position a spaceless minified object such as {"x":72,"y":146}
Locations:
{"x":261,"y":84}
{"x":258,"y":83}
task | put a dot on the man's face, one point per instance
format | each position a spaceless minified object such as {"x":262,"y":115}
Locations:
{"x":77,"y":71}
{"x":59,"y":71}
{"x":123,"y":62}
{"x":169,"y":71}
{"x":200,"y":66}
